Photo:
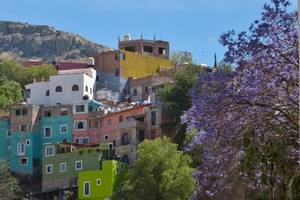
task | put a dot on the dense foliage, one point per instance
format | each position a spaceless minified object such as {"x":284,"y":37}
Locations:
{"x":160,"y":172}
{"x":175,"y":97}
{"x":14,"y":77}
{"x":9,"y":186}
{"x":247,"y":121}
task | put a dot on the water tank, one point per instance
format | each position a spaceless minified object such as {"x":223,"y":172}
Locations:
{"x":90,"y":61}
{"x":127,"y":37}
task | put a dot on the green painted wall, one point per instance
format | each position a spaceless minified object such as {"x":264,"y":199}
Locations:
{"x":110,"y":180}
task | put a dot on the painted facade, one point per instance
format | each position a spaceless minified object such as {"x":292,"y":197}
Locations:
{"x":64,"y":88}
{"x":102,"y":184}
{"x":62,"y":163}
{"x":5,"y":138}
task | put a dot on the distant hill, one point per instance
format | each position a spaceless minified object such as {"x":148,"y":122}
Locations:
{"x":23,"y":41}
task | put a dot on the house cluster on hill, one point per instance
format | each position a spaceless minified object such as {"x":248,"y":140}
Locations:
{"x":79,"y":130}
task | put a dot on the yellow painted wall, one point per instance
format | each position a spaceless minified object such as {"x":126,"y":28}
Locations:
{"x":138,"y":65}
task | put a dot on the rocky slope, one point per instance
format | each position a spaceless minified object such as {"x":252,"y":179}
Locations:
{"x":23,"y":41}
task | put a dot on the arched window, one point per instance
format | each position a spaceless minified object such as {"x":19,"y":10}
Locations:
{"x":58,"y":89}
{"x":86,"y":88}
{"x":125,"y":139}
{"x":75,"y":87}
{"x":121,"y":118}
{"x":125,"y":159}
{"x":146,"y":90}
{"x":48,"y":93}
{"x":134,"y":92}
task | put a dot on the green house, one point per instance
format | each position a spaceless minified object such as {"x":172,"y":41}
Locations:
{"x":102,"y":184}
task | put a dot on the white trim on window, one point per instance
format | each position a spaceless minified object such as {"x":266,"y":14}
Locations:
{"x":63,"y":167}
{"x":98,"y":181}
{"x":86,"y":189}
{"x":49,"y":151}
{"x":47,"y":132}
{"x":23,"y":159}
{"x":28,"y":142}
{"x":63,"y":127}
{"x":77,"y":165}
{"x":80,"y":125}
{"x":21,"y":149}
{"x":49,"y":169}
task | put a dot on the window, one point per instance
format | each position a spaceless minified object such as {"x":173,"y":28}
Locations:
{"x":63,"y":129}
{"x":122,"y":166}
{"x":86,"y":88}
{"x":121,"y":118}
{"x":161,"y":50}
{"x":49,"y":169}
{"x":153,"y":118}
{"x":148,"y":49}
{"x":118,"y":170}
{"x":47,"y":132}
{"x":21,"y":112}
{"x":78,"y":165}
{"x":97,"y":78}
{"x":24,"y":127}
{"x":47,"y":113}
{"x":108,"y":121}
{"x":8,"y":134}
{"x":86,"y":189}
{"x":134,"y":92}
{"x":117,"y":72}
{"x":98,"y":181}
{"x":125,"y":91}
{"x":75,"y":88}
{"x":80,"y":125}
{"x":125,"y":159}
{"x":146,"y":90}
{"x":120,"y":56}
{"x":85,"y":140}
{"x":49,"y":151}
{"x":27,"y":142}
{"x":125,"y":139}
{"x":47,"y":93}
{"x":21,"y":149}
{"x":77,"y":140}
{"x":79,"y":108}
{"x":122,"y":184}
{"x":24,"y":161}
{"x":58,"y":89}
{"x":105,"y":137}
{"x":117,"y":190}
{"x":63,"y":167}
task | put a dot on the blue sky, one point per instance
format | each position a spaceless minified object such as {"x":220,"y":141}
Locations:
{"x":188,"y":25}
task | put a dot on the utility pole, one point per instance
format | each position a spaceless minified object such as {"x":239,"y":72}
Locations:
{"x":186,"y":53}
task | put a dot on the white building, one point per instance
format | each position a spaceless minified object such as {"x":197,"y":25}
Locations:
{"x":65,"y":88}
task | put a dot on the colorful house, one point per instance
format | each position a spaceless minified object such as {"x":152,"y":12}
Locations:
{"x":5,"y":138}
{"x":63,"y":161}
{"x":102,"y":184}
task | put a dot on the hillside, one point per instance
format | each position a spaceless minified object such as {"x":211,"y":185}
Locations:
{"x":23,"y":41}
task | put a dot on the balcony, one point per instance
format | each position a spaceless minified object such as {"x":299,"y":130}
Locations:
{"x":131,"y":124}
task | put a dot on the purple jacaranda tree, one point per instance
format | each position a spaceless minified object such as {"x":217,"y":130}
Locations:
{"x":247,"y":121}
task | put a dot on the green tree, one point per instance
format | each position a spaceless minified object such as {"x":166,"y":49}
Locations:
{"x":160,"y":172}
{"x":10,"y":91}
{"x":176,"y":99}
{"x":9,"y":186}
{"x":13,"y":71}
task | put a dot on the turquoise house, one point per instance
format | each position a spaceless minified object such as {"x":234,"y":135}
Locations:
{"x":5,"y":135}
{"x":103,"y":183}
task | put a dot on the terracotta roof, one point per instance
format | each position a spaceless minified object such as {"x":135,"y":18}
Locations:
{"x":31,"y":63}
{"x":70,"y":65}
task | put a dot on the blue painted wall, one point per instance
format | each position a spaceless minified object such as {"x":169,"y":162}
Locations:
{"x":4,"y":141}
